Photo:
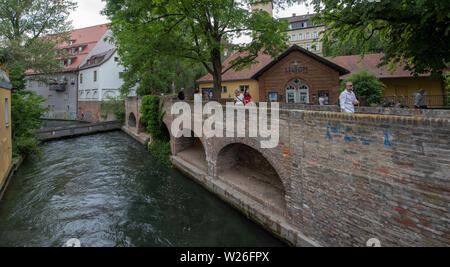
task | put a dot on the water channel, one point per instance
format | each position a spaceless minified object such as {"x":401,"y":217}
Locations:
{"x":107,"y":190}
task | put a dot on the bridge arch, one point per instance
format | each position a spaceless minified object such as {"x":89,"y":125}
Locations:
{"x":252,"y":170}
{"x":191,"y":149}
{"x":132,"y":122}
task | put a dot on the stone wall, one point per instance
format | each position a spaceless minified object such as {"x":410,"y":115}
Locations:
{"x":350,"y":178}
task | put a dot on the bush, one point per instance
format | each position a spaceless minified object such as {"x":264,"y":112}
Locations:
{"x":366,"y":85}
{"x":26,"y":118}
{"x":116,"y":105}
{"x":152,"y":117}
{"x":161,"y":150}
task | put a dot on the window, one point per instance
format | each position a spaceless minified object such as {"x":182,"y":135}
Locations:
{"x":300,"y":36}
{"x":74,"y":50}
{"x":116,"y":59}
{"x":308,"y":35}
{"x":244,"y":87}
{"x":316,"y":35}
{"x":6,"y":112}
{"x":294,"y":37}
{"x":95,"y":75}
{"x":80,"y":49}
{"x":317,"y":47}
{"x":224,"y":89}
{"x":69,"y":62}
{"x":71,"y":42}
{"x":81,"y":78}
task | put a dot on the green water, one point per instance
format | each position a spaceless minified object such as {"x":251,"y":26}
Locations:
{"x":106,"y":190}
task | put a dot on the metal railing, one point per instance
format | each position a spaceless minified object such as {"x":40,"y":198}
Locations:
{"x":432,"y":101}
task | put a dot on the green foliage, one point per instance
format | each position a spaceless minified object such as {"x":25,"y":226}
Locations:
{"x":349,"y":46}
{"x":447,"y":82}
{"x":32,"y":30}
{"x":152,"y":117}
{"x":161,"y":150}
{"x":415,"y":32}
{"x":17,"y":77}
{"x":366,"y":85}
{"x":26,"y":114}
{"x":151,"y":34}
{"x":116,"y":105}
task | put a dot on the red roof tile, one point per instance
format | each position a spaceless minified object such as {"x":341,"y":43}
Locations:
{"x":370,"y":63}
{"x":245,"y":74}
{"x":87,"y":37}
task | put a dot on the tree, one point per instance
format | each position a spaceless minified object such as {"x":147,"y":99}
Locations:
{"x":195,"y":30}
{"x":417,"y":32}
{"x":334,"y":48}
{"x":26,"y":118}
{"x":31,"y":30}
{"x":366,"y":85}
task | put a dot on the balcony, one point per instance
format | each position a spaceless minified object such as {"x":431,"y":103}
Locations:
{"x":58,"y":87}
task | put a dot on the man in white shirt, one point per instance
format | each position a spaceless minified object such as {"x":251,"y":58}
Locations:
{"x":238,"y":98}
{"x":348,"y":99}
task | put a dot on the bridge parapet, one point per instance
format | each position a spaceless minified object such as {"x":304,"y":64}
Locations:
{"x":334,"y":179}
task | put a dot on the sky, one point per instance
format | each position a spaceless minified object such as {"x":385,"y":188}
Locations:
{"x":88,"y":13}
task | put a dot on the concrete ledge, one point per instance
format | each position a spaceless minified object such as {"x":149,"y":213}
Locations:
{"x":73,"y":131}
{"x":254,"y":211}
{"x":141,"y":138}
{"x":9,"y":174}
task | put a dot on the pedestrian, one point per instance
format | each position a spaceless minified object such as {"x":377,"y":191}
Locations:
{"x":322,"y":100}
{"x":197,"y":96}
{"x":238,"y":98}
{"x":181,"y":95}
{"x":247,"y":97}
{"x":420,"y":100}
{"x":348,"y":99}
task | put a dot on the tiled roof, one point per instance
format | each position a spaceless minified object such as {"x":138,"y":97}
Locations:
{"x":98,"y":59}
{"x":370,"y":63}
{"x":265,"y":62}
{"x":244,"y":74}
{"x":86,"y":37}
{"x":300,"y":18}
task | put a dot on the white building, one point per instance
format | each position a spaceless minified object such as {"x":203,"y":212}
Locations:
{"x":99,"y":78}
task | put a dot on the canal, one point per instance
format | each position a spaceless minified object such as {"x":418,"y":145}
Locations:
{"x":107,"y":190}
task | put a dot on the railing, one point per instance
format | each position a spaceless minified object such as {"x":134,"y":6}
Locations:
{"x":432,"y":101}
{"x":58,"y":87}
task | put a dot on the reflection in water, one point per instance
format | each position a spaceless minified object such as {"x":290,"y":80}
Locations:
{"x":106,"y":190}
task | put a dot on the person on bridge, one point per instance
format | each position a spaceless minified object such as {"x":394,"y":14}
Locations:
{"x":420,"y":100}
{"x":181,"y":95}
{"x":247,"y":97}
{"x":348,"y":99}
{"x":238,"y":98}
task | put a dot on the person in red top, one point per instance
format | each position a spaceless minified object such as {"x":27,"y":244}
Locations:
{"x":247,"y":97}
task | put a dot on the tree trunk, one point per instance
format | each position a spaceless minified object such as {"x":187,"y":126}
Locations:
{"x":217,"y":73}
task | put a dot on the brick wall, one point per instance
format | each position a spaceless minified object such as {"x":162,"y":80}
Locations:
{"x":350,"y":178}
{"x":319,"y":77}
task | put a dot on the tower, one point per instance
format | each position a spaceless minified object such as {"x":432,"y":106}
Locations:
{"x":268,"y":7}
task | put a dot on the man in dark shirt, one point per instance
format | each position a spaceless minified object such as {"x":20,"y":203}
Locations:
{"x":181,"y":94}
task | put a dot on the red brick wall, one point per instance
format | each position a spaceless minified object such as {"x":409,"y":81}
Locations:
{"x":89,"y":110}
{"x":318,"y":77}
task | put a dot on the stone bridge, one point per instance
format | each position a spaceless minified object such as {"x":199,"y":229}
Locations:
{"x":334,"y":179}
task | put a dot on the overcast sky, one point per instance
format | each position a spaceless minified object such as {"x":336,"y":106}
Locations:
{"x":88,"y":13}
